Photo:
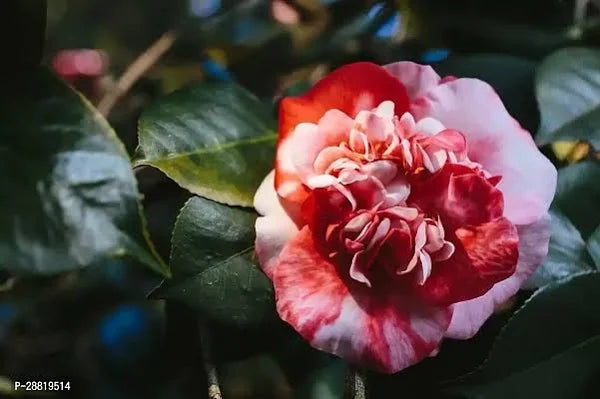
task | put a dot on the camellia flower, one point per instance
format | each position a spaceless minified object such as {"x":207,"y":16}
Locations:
{"x":403,"y":209}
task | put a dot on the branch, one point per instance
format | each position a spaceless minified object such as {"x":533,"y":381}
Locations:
{"x":580,"y":11}
{"x":136,"y":70}
{"x":214,"y":390}
{"x":8,"y":284}
{"x":355,"y":384}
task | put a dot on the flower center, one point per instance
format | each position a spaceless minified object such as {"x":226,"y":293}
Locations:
{"x":373,"y":168}
{"x":382,"y":146}
{"x":411,"y":239}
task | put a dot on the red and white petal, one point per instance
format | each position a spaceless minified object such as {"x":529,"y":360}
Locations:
{"x":286,"y":179}
{"x":377,"y":329}
{"x":459,"y":196}
{"x":351,"y":88}
{"x":485,"y":255}
{"x":418,"y":79}
{"x":448,"y":139}
{"x":308,"y":140}
{"x":298,"y":151}
{"x":470,"y":315}
{"x":274,"y":228}
{"x":497,"y":142}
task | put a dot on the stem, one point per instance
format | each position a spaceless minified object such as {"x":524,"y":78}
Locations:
{"x":136,"y":70}
{"x":8,"y":284}
{"x":355,"y":384}
{"x":579,"y":152}
{"x":214,"y":390}
{"x":579,"y":11}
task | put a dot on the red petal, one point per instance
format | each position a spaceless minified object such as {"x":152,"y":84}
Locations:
{"x":459,"y":196}
{"x":397,"y":249}
{"x":485,"y":255}
{"x":324,"y":207}
{"x":351,"y":88}
{"x":470,"y":315}
{"x":382,"y":329}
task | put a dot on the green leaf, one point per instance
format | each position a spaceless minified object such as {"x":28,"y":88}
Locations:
{"x":68,"y":194}
{"x":568,"y":94}
{"x":567,"y":253}
{"x":593,"y":247}
{"x":549,"y":349}
{"x":216,"y":140}
{"x":213,"y":264}
{"x":578,"y":195}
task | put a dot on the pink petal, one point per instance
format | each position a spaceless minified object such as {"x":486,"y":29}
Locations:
{"x":496,"y":141}
{"x":448,"y":139}
{"x":274,"y":228}
{"x":418,"y":79}
{"x":284,"y":13}
{"x":470,"y":315}
{"x":380,"y":329}
{"x":373,"y":125}
{"x":430,"y":126}
{"x":298,"y":151}
{"x":357,"y":269}
{"x":397,"y":191}
{"x":383,"y":170}
{"x":327,"y":157}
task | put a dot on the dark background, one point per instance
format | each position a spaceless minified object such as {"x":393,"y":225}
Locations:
{"x":95,"y":328}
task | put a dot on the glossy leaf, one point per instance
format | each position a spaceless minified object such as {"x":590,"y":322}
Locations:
{"x":68,"y":194}
{"x":213,"y":264}
{"x":567,"y":253}
{"x":578,"y":195}
{"x":550,"y":347}
{"x":568,"y":93}
{"x":593,"y":247}
{"x":216,"y":140}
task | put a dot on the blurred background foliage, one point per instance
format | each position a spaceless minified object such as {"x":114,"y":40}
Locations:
{"x":95,"y":327}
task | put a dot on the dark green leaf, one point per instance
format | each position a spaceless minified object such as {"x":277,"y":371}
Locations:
{"x":313,"y":373}
{"x":568,"y":94}
{"x":215,"y":140}
{"x":68,"y":195}
{"x":326,"y":381}
{"x":593,"y":246}
{"x":578,"y":195}
{"x":549,"y":349}
{"x":567,"y":253}
{"x":214,"y":270}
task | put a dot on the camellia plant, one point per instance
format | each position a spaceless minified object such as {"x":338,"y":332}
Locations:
{"x":389,"y":217}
